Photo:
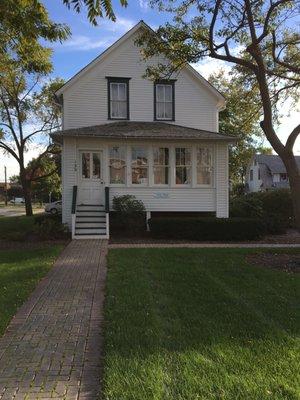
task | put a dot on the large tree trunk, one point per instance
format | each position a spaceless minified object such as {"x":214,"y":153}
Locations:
{"x":294,"y":177}
{"x":26,"y":186}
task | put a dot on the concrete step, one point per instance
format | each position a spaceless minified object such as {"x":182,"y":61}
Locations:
{"x":93,"y":225}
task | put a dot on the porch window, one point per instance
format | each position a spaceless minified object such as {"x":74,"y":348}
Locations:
{"x":117,"y":165}
{"x":139,"y":165}
{"x":161,"y":165}
{"x":118,"y":98}
{"x":90,"y":165}
{"x":183,"y":165}
{"x":164,"y":102}
{"x":204,"y":166}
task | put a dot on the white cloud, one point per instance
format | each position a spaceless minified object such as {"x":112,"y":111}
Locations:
{"x":208,"y":66}
{"x":121,"y":25}
{"x":85,"y":43}
{"x":144,"y":4}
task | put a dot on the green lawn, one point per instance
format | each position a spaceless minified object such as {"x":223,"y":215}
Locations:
{"x":20,"y":271}
{"x":16,"y":228}
{"x":191,"y":324}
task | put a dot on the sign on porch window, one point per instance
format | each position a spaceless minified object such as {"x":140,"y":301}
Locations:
{"x":117,"y":164}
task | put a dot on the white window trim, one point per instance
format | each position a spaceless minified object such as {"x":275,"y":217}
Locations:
{"x":164,"y":102}
{"x":124,"y":101}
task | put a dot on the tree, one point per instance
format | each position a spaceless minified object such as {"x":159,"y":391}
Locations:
{"x":44,"y":176}
{"x":259,"y":37}
{"x":95,"y":8}
{"x":27,"y":116}
{"x":240,"y":118}
{"x":22,"y":24}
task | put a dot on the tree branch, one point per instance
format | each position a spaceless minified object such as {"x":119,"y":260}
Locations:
{"x":292,"y":138}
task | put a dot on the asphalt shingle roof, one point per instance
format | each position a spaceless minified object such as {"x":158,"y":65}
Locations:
{"x":142,"y":130}
{"x":274,"y":162}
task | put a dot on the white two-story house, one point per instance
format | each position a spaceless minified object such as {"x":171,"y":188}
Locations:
{"x":125,"y":134}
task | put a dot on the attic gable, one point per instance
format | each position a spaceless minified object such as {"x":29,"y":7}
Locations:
{"x":213,"y":91}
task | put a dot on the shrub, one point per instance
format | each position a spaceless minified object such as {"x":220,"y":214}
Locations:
{"x":129,"y":215}
{"x":274,"y":206}
{"x":50,"y":227}
{"x":207,"y":228}
{"x":128,"y":204}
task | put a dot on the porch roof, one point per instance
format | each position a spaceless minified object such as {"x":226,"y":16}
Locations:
{"x":140,"y":131}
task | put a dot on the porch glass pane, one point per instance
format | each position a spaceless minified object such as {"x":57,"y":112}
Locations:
{"x":204,"y":166}
{"x":183,"y":165}
{"x":85,"y":163}
{"x":161,"y":175}
{"x":161,"y":165}
{"x":117,"y":164}
{"x":96,"y":166}
{"x":139,"y":165}
{"x":140,"y":176}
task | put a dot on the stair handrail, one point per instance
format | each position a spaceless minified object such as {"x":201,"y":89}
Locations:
{"x":107,"y":199}
{"x":74,"y":199}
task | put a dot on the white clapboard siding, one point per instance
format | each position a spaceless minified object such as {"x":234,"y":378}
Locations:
{"x":69,"y":177}
{"x":85,"y":101}
{"x":159,"y":199}
{"x":222,"y":182}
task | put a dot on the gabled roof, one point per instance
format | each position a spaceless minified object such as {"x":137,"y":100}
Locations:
{"x":142,"y":131}
{"x":273,"y":162}
{"x":118,"y":43}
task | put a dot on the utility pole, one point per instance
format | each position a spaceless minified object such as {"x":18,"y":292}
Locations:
{"x":5,"y":185}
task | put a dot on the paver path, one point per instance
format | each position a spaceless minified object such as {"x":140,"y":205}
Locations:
{"x":52,"y":348}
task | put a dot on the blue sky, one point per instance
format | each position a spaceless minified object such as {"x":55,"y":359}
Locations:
{"x":87,"y":42}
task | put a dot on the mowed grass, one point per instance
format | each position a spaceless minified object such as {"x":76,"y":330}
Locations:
{"x":20,"y":271}
{"x":191,"y":324}
{"x":16,"y":228}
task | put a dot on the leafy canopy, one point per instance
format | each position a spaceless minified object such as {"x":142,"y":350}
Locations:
{"x":22,"y":24}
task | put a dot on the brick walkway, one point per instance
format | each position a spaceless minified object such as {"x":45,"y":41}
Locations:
{"x":52,"y":348}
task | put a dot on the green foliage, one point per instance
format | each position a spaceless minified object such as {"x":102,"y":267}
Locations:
{"x":240,"y":118}
{"x":46,"y":177}
{"x":23,"y":23}
{"x":207,"y":228}
{"x":129,"y":215}
{"x":128,"y":204}
{"x":95,"y":8}
{"x":50,"y":227}
{"x":16,"y":228}
{"x":274,"y":206}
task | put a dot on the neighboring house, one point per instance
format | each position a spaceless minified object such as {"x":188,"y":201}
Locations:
{"x":125,"y":134}
{"x":267,"y":172}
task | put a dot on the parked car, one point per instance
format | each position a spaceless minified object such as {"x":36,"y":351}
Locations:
{"x":53,"y":208}
{"x":17,"y":200}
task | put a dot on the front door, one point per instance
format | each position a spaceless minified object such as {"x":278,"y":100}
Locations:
{"x":90,"y":179}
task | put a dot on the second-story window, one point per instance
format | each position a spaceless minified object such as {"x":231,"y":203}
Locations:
{"x":118,"y":98}
{"x":164,"y":100}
